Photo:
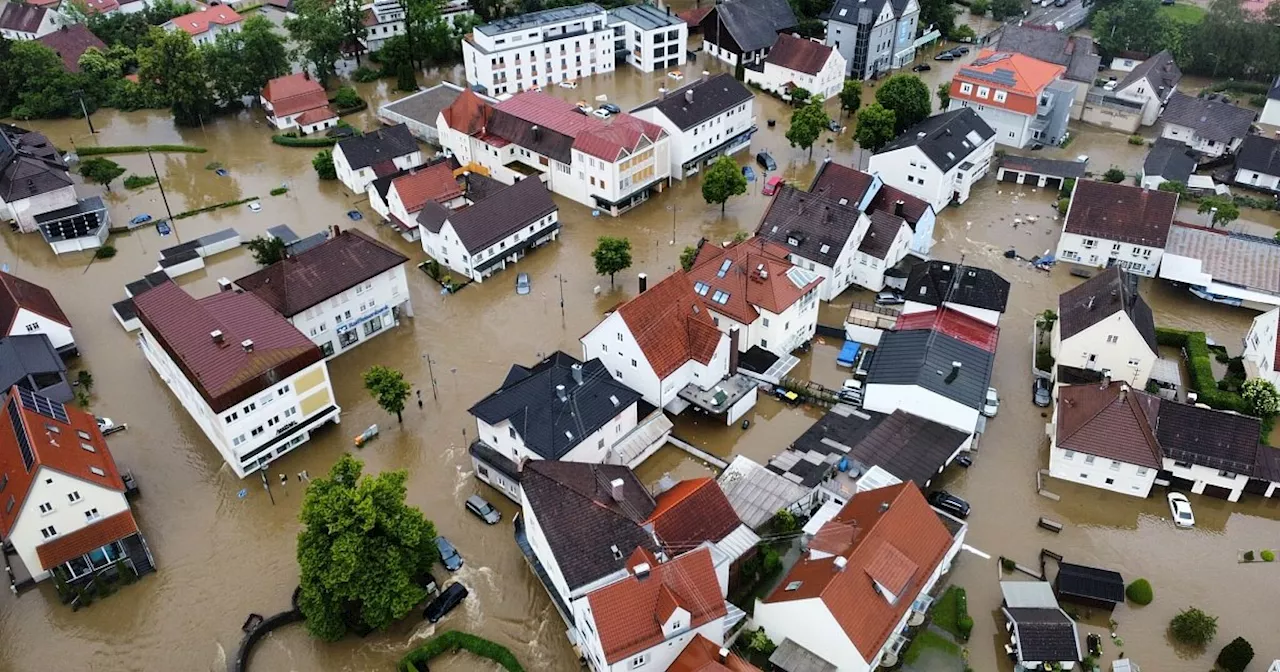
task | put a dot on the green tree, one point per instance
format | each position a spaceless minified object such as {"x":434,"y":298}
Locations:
{"x":944,"y":94}
{"x":267,"y":250}
{"x":174,"y":69}
{"x":722,"y":181}
{"x":611,"y":256}
{"x":875,"y":127}
{"x":1003,"y":9}
{"x":363,"y":553}
{"x":35,"y":83}
{"x":388,"y":387}
{"x":687,"y":256}
{"x":317,"y":33}
{"x":850,"y":97}
{"x":1223,"y":208}
{"x":799,"y":96}
{"x":100,"y":170}
{"x":349,"y":16}
{"x":807,"y":123}
{"x":1236,"y":656}
{"x":909,"y":99}
{"x":1262,"y":397}
{"x":420,"y":18}
{"x":963,"y":33}
{"x":1130,"y":25}
{"x":1193,"y":627}
{"x":761,"y":643}
{"x":323,"y":163}
{"x":940,"y":14}
{"x":979,"y":7}
{"x":346,"y":98}
{"x":406,"y":77}
{"x":1174,"y":187}
{"x":241,"y":63}
{"x":1114,"y":175}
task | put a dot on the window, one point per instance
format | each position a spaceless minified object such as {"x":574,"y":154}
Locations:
{"x":1089,"y":243}
{"x":46,"y":507}
{"x":91,"y":515}
{"x":639,"y":661}
{"x":256,"y":430}
{"x":1227,"y":475}
{"x":701,"y":288}
{"x":48,"y":532}
{"x":511,"y":431}
{"x":33,"y":326}
{"x":97,"y":472}
{"x":1069,"y":455}
{"x":766,"y":322}
{"x":1115,"y":248}
{"x":721,"y":297}
{"x":1115,"y":465}
{"x":633,"y":364}
{"x":764,"y":343}
{"x":1112,"y":338}
{"x":966,"y":87}
{"x":1088,"y":459}
{"x":1133,"y":361}
{"x":1142,"y":471}
{"x":983,"y":92}
{"x":619,"y":337}
{"x":1000,"y":96}
{"x":1111,"y":481}
{"x":73,"y":496}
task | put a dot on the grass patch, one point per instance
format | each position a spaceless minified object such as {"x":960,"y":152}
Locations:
{"x":1184,"y":13}
{"x":211,"y":208}
{"x":138,"y":181}
{"x":946,"y":611}
{"x":452,"y":641}
{"x":138,"y":149}
{"x":927,"y":640}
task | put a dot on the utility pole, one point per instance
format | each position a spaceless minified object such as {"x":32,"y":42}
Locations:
{"x":560,"y":277}
{"x":85,"y":110}
{"x":431,"y":370}
{"x":160,"y":183}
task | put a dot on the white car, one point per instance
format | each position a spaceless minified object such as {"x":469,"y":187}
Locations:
{"x":601,"y":113}
{"x":1181,"y":510}
{"x":1111,"y":85}
{"x":991,"y":404}
{"x":255,"y":206}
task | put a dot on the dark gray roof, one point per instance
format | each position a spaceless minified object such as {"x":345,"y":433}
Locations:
{"x":424,"y":107}
{"x":580,"y":519}
{"x":1102,"y":296}
{"x":937,"y":282}
{"x":1160,"y":70}
{"x":502,"y":214}
{"x":1051,"y":167}
{"x":29,"y":164}
{"x":754,"y":24}
{"x":1045,"y":635}
{"x":711,"y":96}
{"x":947,"y":138}
{"x":28,"y":354}
{"x":1211,"y":119}
{"x":857,"y":12}
{"x":1044,"y":43}
{"x":925,"y":358}
{"x":550,"y":427}
{"x":21,"y":17}
{"x":813,"y":221}
{"x":644,"y":16}
{"x":1274,"y":92}
{"x":384,"y":144}
{"x":908,"y":446}
{"x":1259,"y":153}
{"x":1171,"y":160}
{"x":880,"y":234}
{"x":1215,"y":439}
{"x":1089,"y":582}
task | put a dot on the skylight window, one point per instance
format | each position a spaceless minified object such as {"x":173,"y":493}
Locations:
{"x":724,"y":268}
{"x":721,"y":297}
{"x":794,"y":585}
{"x":614,"y":399}
{"x":701,"y":288}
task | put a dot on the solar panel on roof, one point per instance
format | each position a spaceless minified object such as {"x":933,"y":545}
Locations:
{"x":42,"y":405}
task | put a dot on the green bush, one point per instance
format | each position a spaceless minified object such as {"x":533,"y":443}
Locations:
{"x":138,"y":181}
{"x":1240,"y":87}
{"x":760,"y":642}
{"x":1137,"y":140}
{"x":1268,"y":555}
{"x":346,"y":98}
{"x":1114,"y":175}
{"x":104,"y":252}
{"x":1193,"y":627}
{"x":138,"y":149}
{"x":1236,"y":656}
{"x":453,"y":641}
{"x":1259,"y":100}
{"x":1063,"y":204}
{"x":1200,"y":369}
{"x":278,"y":191}
{"x":1008,"y":564}
{"x":366,"y":74}
{"x":1248,"y":556}
{"x":1068,"y":186}
{"x":292,"y":141}
{"x":979,"y":7}
{"x":1140,"y":592}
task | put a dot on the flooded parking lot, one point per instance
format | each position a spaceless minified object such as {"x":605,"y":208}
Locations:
{"x":222,"y":555}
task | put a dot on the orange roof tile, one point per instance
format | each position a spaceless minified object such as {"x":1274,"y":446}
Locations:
{"x":316,"y":115}
{"x":693,"y":511}
{"x":748,"y":290}
{"x":703,"y":655}
{"x":85,"y":539}
{"x":468,"y":113}
{"x":435,"y":183}
{"x":671,"y":324}
{"x":295,"y":93}
{"x":198,"y":23}
{"x":890,"y":568}
{"x":1027,"y":75}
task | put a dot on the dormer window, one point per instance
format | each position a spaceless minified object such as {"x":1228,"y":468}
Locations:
{"x":825,"y":248}
{"x":793,"y":241}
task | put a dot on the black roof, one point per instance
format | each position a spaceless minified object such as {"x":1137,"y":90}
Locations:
{"x":812,"y":221}
{"x":1035,"y":164}
{"x":711,"y":96}
{"x":1259,"y":153}
{"x":1072,"y":375}
{"x":384,"y":144}
{"x":839,"y":430}
{"x":754,"y":24}
{"x":1045,"y":635}
{"x":582,"y":522}
{"x":29,"y":165}
{"x":924,"y":357}
{"x":548,"y":426}
{"x":881,"y":233}
{"x":908,"y":446}
{"x":1044,"y":43}
{"x":1089,"y":582}
{"x":1102,"y":296}
{"x":947,"y":138}
{"x":28,"y":354}
{"x":1171,"y":160}
{"x":481,"y":451}
{"x":937,"y":282}
{"x":1209,"y":117}
{"x":1215,"y":439}
{"x":496,"y":217}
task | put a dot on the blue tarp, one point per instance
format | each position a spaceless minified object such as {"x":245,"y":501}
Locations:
{"x":849,"y":353}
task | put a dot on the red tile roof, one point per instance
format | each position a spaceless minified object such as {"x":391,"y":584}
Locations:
{"x":197,"y":23}
{"x":85,"y":539}
{"x":799,"y":54}
{"x":836,"y":181}
{"x":16,"y":293}
{"x":224,"y":373}
{"x":70,"y":43}
{"x":1121,"y":212}
{"x":898,"y":535}
{"x":602,"y":138}
{"x":295,"y":93}
{"x":703,"y":655}
{"x":1029,"y":76}
{"x":671,"y":324}
{"x":694,"y":17}
{"x":468,"y":113}
{"x":316,"y":115}
{"x":693,"y":511}
{"x":747,"y":289}
{"x":60,"y":451}
{"x":434,"y":183}
{"x":628,"y":613}
{"x":101,"y":6}
{"x":1109,"y":421}
{"x":953,"y":323}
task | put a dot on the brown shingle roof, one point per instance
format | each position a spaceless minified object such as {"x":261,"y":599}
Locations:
{"x":671,"y":324}
{"x":16,"y":293}
{"x":693,"y":511}
{"x":22,"y":18}
{"x":703,"y":655}
{"x":836,"y":181}
{"x":70,"y":43}
{"x":747,"y":290}
{"x":295,"y":284}
{"x":294,"y":93}
{"x":799,"y":54}
{"x":1121,"y":212}
{"x":85,"y":539}
{"x":502,"y":214}
{"x":1102,"y":296}
{"x":1112,"y":421}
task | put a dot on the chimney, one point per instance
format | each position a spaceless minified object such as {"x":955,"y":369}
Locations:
{"x":1089,"y":305}
{"x":688,"y":96}
{"x":662,"y":92}
{"x":724,"y":655}
{"x":840,"y":562}
{"x":561,"y":393}
{"x":537,"y":132}
{"x":668,"y":10}
{"x":733,"y":350}
{"x":1124,"y":392}
{"x":306,"y":75}
{"x":898,"y":207}
{"x":615,"y":489}
{"x":247,"y":344}
{"x":216,"y":336}
{"x":642,"y":570}
{"x":577,"y":373}
{"x":224,"y":285}
{"x":644,"y":282}
{"x":337,"y":230}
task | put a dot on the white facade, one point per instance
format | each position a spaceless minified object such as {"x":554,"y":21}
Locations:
{"x":210,"y":35}
{"x":1202,"y":476}
{"x":779,"y":334}
{"x":910,"y":170}
{"x":344,"y":321}
{"x":49,"y":22}
{"x":729,"y":126}
{"x":1012,"y":128}
{"x":1260,"y":347}
{"x":1144,"y":94}
{"x":394,"y":205}
{"x":64,"y":503}
{"x":287,"y":121}
{"x":1101,"y":253}
{"x":447,"y":248}
{"x":535,"y":50}
{"x":919,"y":401}
{"x":24,"y":211}
{"x":1099,"y":472}
{"x":868,"y":270}
{"x":824,"y":85}
{"x":658,"y":657}
{"x":1257,"y":179}
{"x":241,"y":432}
{"x":1112,"y":345}
{"x":1270,"y":112}
{"x":388,"y":22}
{"x":612,"y":342}
{"x":650,"y":48}
{"x":358,"y":179}
{"x":593,"y":449}
{"x":27,"y":322}
{"x":1190,"y":138}
{"x":840,"y":277}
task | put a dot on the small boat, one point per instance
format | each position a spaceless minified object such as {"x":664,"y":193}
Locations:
{"x":367,"y":434}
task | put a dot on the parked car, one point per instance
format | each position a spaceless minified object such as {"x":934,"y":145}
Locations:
{"x":888,"y":297}
{"x":483,"y":509}
{"x":772,"y":185}
{"x":611,"y":108}
{"x":140,"y":219}
{"x":766,"y":161}
{"x":941,"y":499}
{"x":1180,"y":507}
{"x":945,"y":56}
{"x":864,"y":363}
{"x":522,"y":284}
{"x":963,"y":460}
{"x":960,"y":51}
{"x":1040,"y":394}
{"x":786,"y":396}
{"x":255,"y":206}
{"x":851,"y":384}
{"x":834,"y":126}
{"x":923,"y":67}
{"x":1059,"y":3}
{"x":449,"y":556}
{"x":991,"y":405}
{"x":445,"y":603}
{"x":105,"y":424}
{"x":749,"y":173}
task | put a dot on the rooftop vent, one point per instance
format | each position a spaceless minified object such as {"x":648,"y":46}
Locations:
{"x":576,"y":369}
{"x":841,"y":563}
{"x":224,"y":285}
{"x":615,"y":489}
{"x":642,"y":570}
{"x":561,"y":393}
{"x":216,"y":336}
{"x":247,"y":344}
{"x":688,"y":96}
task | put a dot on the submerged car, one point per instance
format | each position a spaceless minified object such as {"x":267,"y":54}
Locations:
{"x":771,"y":185}
{"x":440,"y":607}
{"x":749,"y":173}
{"x":611,"y":108}
{"x":766,"y":161}
{"x":941,"y":499}
{"x":923,"y":67}
{"x":449,"y":556}
{"x":522,"y":284}
{"x":991,"y":404}
{"x":483,"y":509}
{"x":1180,"y":507}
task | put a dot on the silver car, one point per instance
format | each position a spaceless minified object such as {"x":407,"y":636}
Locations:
{"x":483,"y":510}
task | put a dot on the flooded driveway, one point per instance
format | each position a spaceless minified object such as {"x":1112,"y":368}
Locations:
{"x":222,"y":555}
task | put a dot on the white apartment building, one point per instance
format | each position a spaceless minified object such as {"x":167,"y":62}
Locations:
{"x":939,"y":159}
{"x":654,"y":39}
{"x":205,"y":25}
{"x":1260,"y":354}
{"x":1104,"y":325}
{"x":705,"y":119}
{"x":383,"y":20}
{"x":32,"y":309}
{"x":1021,"y":98}
{"x":252,"y":408}
{"x":1209,"y":125}
{"x":797,"y":62}
{"x":364,"y":158}
{"x":538,"y":49}
{"x":1117,"y":225}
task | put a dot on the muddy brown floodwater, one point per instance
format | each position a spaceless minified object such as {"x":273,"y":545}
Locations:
{"x":222,"y":556}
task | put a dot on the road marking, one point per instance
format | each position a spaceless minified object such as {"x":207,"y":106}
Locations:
{"x":976,"y":552}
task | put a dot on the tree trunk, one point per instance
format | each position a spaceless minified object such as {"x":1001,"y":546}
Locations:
{"x":722,"y":204}
{"x":399,"y":417}
{"x":611,"y":281}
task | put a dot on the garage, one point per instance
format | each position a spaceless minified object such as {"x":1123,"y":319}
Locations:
{"x":1037,"y":172}
{"x":1054,"y":183}
{"x":1217,"y":492}
{"x":1010,"y":176}
{"x":1256,"y":486}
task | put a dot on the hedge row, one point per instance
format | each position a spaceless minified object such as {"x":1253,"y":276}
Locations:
{"x":138,"y":149}
{"x":453,"y":641}
{"x":1200,"y":368}
{"x":290,"y":141}
{"x":211,"y":208}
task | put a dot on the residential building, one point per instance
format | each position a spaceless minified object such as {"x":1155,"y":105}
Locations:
{"x":317,"y":290}
{"x":407,"y":192}
{"x":836,"y":181}
{"x":255,"y":385}
{"x":205,"y":25}
{"x":704,"y":655}
{"x":1151,"y":84}
{"x":611,"y":165}
{"x":1025,"y":100}
{"x":1041,"y":634}
{"x":1167,"y":161}
{"x":383,"y":20}
{"x":297,"y":101}
{"x":23,"y":21}
{"x":65,"y":511}
{"x":873,"y":36}
{"x":30,"y":362}
{"x":1104,"y":325}
{"x":822,"y":235}
{"x":939,"y":159}
{"x":1261,"y":358}
{"x":28,"y":308}
{"x":798,"y":62}
{"x":33,"y":177}
{"x":419,"y":111}
{"x":1223,"y":266}
{"x":904,"y":373}
{"x":1103,"y":436}
{"x":103,"y":6}
{"x":849,"y":597}
{"x":652,"y":38}
{"x":557,"y":409}
{"x":978,"y":292}
{"x":1076,"y":53}
{"x":1209,"y":125}
{"x":361,"y":159}
{"x":1258,"y":163}
{"x":538,"y":49}
{"x":751,"y":287}
{"x":1216,"y":453}
{"x":1271,"y":110}
{"x":705,"y":119}
{"x":743,"y":31}
{"x":482,"y":239}
{"x":1117,"y":225}
{"x":70,"y":42}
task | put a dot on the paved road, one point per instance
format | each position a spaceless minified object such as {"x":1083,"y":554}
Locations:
{"x":1071,"y":16}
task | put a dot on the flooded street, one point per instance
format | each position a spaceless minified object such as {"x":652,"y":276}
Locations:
{"x":221,"y":556}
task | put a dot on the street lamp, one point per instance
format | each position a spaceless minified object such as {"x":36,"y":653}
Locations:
{"x":560,"y":280}
{"x":674,"y":209}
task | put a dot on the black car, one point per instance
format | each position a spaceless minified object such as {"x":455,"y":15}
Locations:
{"x":766,"y":161}
{"x":963,"y":460}
{"x":1040,"y":394}
{"x":445,"y":602}
{"x":611,"y":108}
{"x":923,"y":67}
{"x":945,"y":56}
{"x":941,"y":499}
{"x":960,"y":51}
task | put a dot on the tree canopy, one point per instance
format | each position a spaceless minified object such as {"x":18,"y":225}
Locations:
{"x":317,"y":32}
{"x":850,"y":96}
{"x":242,"y":62}
{"x":388,"y":388}
{"x":1224,"y":209}
{"x":807,"y":123}
{"x":101,"y":170}
{"x":875,"y":127}
{"x":173,"y":67}
{"x":611,"y":256}
{"x":1003,"y":9}
{"x":944,"y":94}
{"x":909,"y":99}
{"x":323,"y":163}
{"x":687,"y":256}
{"x":1193,"y":627}
{"x":267,"y":250}
{"x":940,"y":14}
{"x":722,"y":181}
